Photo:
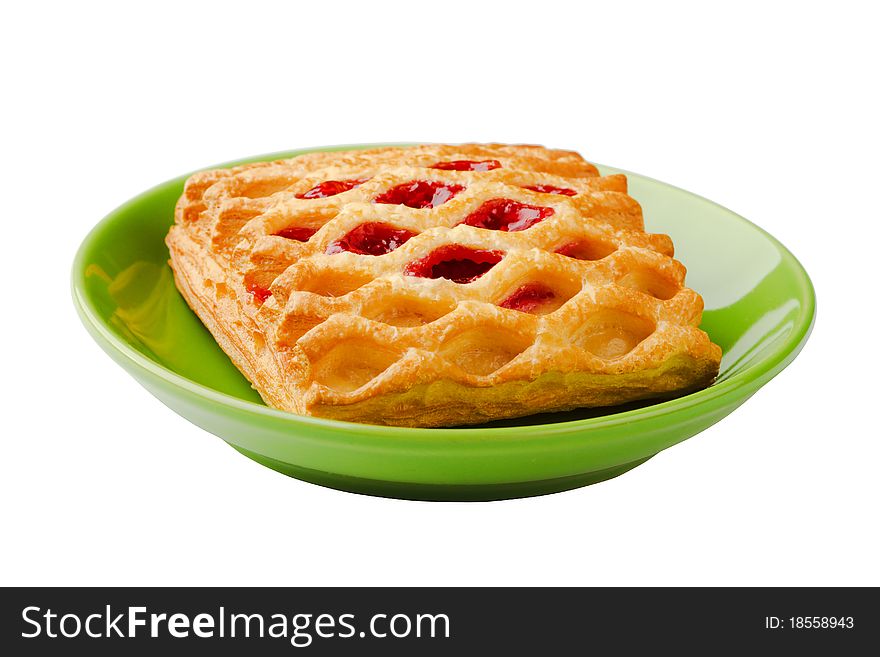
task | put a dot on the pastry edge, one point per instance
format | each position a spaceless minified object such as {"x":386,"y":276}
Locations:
{"x":435,"y":404}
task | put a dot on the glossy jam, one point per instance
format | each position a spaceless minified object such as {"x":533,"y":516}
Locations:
{"x":507,"y":215}
{"x":468,"y":165}
{"x":332,"y":188}
{"x":550,"y":189}
{"x":258,"y":292}
{"x":419,"y":194}
{"x":298,"y":233}
{"x":371,"y":239}
{"x":528,"y":297}
{"x":459,"y":264}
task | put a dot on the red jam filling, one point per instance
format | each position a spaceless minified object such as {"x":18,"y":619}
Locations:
{"x":419,"y":194}
{"x":468,"y":165}
{"x":550,"y":189}
{"x":258,"y":292}
{"x":528,"y":297}
{"x":371,"y":239}
{"x":460,"y":264}
{"x":507,"y":215}
{"x":298,"y":233}
{"x":571,"y":250}
{"x":332,"y":188}
{"x":586,"y":250}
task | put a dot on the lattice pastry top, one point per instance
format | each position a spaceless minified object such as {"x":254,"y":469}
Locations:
{"x":437,"y":285}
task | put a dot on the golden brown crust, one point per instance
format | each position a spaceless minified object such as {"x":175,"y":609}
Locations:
{"x":352,"y":337}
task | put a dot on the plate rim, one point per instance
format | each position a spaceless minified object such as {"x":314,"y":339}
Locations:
{"x":753,"y":377}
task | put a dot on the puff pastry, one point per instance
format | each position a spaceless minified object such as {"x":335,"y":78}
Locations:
{"x":437,"y":285}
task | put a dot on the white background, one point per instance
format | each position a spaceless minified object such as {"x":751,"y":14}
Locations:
{"x":767,"y":108}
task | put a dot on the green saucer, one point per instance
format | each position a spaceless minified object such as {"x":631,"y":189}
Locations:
{"x":760,"y":308}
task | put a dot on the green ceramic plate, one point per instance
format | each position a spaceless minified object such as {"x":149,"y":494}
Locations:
{"x":759,"y":307}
